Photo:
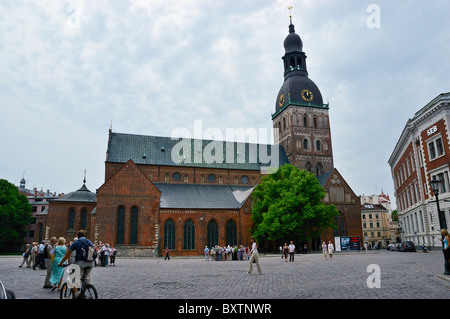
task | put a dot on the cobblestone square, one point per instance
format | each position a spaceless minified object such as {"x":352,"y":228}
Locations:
{"x":402,"y":276}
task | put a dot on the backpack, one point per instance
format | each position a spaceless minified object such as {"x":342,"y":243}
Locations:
{"x":88,"y":252}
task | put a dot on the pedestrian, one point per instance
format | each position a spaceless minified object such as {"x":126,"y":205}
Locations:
{"x":285,"y":251}
{"x":206,"y":253}
{"x":254,"y":256}
{"x":48,"y":261}
{"x":112,"y":256}
{"x":74,"y":253}
{"x":446,"y":250}
{"x":291,"y":251}
{"x":167,"y":253}
{"x":26,"y":256}
{"x":33,"y":255}
{"x":330,"y":249}
{"x":81,"y":245}
{"x":105,"y":250}
{"x":324,"y":250}
{"x":56,"y":271}
{"x":40,"y":256}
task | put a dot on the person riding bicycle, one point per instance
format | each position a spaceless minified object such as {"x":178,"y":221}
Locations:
{"x":81,"y":246}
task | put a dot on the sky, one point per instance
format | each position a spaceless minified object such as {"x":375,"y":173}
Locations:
{"x":70,"y":70}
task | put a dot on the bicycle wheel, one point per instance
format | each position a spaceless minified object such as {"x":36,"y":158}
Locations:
{"x":90,"y":292}
{"x":66,"y":292}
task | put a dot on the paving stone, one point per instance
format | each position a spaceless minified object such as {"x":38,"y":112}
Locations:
{"x":402,"y":276}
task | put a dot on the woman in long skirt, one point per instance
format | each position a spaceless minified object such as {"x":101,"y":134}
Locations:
{"x":58,"y":272}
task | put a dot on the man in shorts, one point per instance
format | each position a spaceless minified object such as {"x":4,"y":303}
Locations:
{"x":78,"y":246}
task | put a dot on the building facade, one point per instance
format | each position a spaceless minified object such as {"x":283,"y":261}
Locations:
{"x":376,"y":225}
{"x":185,"y":194}
{"x":421,"y":154}
{"x":39,"y":201}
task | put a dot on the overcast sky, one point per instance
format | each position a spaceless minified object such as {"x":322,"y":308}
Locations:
{"x":68,"y":69}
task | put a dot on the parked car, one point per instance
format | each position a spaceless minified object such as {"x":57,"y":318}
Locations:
{"x":397,"y":247}
{"x":408,"y":246}
{"x":390,"y":247}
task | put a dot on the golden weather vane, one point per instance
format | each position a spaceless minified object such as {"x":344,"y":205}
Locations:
{"x":290,"y":16}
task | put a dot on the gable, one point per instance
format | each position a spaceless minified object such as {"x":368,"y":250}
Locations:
{"x":129,"y":180}
{"x":336,"y":188}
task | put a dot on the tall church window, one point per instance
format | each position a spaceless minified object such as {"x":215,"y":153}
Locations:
{"x":308,"y":166}
{"x":120,"y":225}
{"x":318,"y":145}
{"x":305,"y":121}
{"x":319,"y":169}
{"x":83,"y":219}
{"x":231,"y":233}
{"x":305,"y":144}
{"x":315,"y":122}
{"x":169,"y":234}
{"x":284,"y":123}
{"x":134,"y":226}
{"x":71,"y":218}
{"x":212,"y":234}
{"x":189,"y":235}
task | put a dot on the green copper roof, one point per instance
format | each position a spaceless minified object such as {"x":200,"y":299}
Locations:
{"x":158,"y":150}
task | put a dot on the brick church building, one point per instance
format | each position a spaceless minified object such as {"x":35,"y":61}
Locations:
{"x":163,"y":192}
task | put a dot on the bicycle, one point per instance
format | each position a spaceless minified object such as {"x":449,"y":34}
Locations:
{"x":87,"y":291}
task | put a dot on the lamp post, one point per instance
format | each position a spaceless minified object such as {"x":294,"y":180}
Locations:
{"x":434,"y":183}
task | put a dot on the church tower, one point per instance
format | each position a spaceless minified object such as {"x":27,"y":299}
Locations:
{"x":301,"y":118}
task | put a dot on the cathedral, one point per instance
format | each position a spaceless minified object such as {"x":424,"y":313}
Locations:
{"x":163,"y":192}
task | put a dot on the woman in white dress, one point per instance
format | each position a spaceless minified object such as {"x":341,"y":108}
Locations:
{"x":330,"y":249}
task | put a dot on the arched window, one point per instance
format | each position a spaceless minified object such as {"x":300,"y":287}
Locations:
{"x":284,"y":123}
{"x":189,"y":235}
{"x":340,"y":228}
{"x":319,"y":169}
{"x":318,"y":145}
{"x":120,"y":225}
{"x":305,"y":144}
{"x":308,"y":167}
{"x":169,"y":234}
{"x":212,"y":234}
{"x":305,"y":122}
{"x":71,"y":218}
{"x":231,"y":233}
{"x":134,"y":226}
{"x":315,"y":122}
{"x":83,"y":219}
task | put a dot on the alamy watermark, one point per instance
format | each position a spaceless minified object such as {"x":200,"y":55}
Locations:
{"x":374,"y":279}
{"x":236,"y":146}
{"x":374,"y":19}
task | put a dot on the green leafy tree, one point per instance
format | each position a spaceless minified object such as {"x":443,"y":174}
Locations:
{"x":394,"y":215}
{"x":15,"y":215}
{"x":289,"y":206}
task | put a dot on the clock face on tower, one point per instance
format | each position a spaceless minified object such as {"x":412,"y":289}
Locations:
{"x":307,"y":95}
{"x":281,"y":100}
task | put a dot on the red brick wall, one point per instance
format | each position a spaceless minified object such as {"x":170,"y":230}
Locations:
{"x":128,"y":187}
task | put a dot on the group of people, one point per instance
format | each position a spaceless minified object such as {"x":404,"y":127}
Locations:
{"x":219,"y":253}
{"x":327,"y":249}
{"x":54,"y":254}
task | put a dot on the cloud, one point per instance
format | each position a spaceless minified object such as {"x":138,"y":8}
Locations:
{"x":69,"y":68}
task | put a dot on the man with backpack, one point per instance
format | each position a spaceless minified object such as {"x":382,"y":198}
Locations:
{"x":85,"y":255}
